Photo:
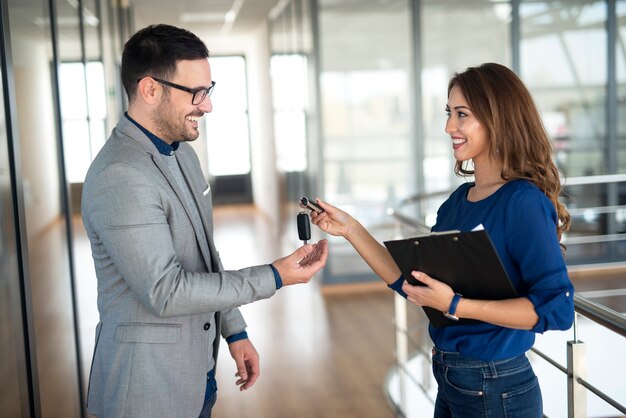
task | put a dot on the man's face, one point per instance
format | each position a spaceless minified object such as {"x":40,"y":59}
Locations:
{"x":176,"y":118}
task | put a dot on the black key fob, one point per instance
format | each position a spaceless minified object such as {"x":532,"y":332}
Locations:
{"x":304,"y":227}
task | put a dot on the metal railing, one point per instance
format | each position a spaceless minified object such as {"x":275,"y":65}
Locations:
{"x":576,"y":368}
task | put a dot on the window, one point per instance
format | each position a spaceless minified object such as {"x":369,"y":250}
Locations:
{"x":83,"y":114}
{"x":228,"y":135}
{"x":290,"y":95}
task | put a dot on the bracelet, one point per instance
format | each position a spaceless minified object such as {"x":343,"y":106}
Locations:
{"x":452,"y":309}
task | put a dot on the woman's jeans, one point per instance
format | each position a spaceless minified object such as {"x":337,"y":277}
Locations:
{"x":474,"y":388}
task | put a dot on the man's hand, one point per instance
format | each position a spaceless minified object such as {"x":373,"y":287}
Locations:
{"x":247,"y":360}
{"x":302,"y":264}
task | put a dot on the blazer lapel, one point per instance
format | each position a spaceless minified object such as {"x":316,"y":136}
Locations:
{"x":205,"y":215}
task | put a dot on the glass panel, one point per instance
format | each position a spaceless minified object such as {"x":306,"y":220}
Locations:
{"x":290,"y":96}
{"x":289,"y":86}
{"x":91,"y":26}
{"x":85,"y":143}
{"x":228,"y":137}
{"x":620,"y":50}
{"x":481,"y":34}
{"x":45,"y":221}
{"x":365,"y":101}
{"x":13,"y":373}
{"x":96,"y":91}
{"x":296,"y":131}
{"x":563,"y":62}
{"x":290,"y":134}
{"x":83,"y":110}
{"x":73,"y":93}
{"x":366,"y":120}
{"x":228,"y":155}
{"x":77,"y":154}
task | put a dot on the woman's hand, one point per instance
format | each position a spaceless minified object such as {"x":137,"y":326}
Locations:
{"x":333,"y":220}
{"x":336,"y":222}
{"x":434,"y":294}
{"x":518,"y":313}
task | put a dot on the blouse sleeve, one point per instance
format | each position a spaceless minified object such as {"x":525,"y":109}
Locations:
{"x":533,"y":243}
{"x":397,"y":286}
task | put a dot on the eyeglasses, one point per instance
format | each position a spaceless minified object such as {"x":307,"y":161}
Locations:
{"x":199,"y":94}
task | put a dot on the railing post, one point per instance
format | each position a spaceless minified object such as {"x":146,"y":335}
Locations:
{"x":402,"y":347}
{"x":576,"y":368}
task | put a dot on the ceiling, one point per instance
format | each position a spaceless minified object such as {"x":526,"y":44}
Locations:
{"x":223,"y":17}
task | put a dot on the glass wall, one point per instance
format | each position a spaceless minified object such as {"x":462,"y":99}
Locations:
{"x":570,"y":71}
{"x":368,"y":154}
{"x":619,"y":119}
{"x":294,"y":84}
{"x":227,"y":131}
{"x":82,"y":107}
{"x":564,"y":63}
{"x":291,"y":103}
{"x":229,"y":119}
{"x":14,"y":397}
{"x":453,"y":36}
{"x":43,"y":187}
{"x":365,"y":101}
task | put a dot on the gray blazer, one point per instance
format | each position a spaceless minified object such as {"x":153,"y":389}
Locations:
{"x":159,"y":285}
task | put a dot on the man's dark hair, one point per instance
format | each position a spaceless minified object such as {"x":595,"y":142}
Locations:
{"x":154,"y":51}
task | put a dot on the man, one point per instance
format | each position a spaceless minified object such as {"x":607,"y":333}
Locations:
{"x":163,"y":297}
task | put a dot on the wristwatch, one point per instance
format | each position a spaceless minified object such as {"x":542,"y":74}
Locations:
{"x":452,"y":309}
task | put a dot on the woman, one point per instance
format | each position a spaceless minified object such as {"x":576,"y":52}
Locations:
{"x":498,"y":137}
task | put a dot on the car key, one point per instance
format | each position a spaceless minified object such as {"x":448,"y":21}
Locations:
{"x":304,"y":227}
{"x":307,"y":203}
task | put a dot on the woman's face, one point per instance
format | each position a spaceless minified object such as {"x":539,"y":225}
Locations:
{"x":469,"y":137}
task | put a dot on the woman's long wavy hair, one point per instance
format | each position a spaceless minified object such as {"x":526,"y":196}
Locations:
{"x":517,"y":137}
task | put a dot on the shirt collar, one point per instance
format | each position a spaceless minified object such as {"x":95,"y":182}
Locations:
{"x":161,"y":146}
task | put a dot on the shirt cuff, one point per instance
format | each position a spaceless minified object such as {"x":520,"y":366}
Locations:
{"x":397,"y":286}
{"x":236,"y":337}
{"x":279,"y":281}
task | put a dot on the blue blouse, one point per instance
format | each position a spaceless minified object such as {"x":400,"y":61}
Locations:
{"x":521,"y":222}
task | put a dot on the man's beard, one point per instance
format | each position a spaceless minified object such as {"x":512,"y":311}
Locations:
{"x":168,"y":125}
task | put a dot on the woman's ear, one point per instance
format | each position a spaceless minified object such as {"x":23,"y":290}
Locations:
{"x":149,"y":91}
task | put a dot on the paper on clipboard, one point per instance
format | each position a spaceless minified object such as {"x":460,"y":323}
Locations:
{"x":466,"y":261}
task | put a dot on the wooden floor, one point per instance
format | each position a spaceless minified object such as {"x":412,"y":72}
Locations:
{"x":323,"y":353}
{"x":321,"y":356}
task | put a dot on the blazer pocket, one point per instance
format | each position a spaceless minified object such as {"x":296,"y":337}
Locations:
{"x":148,"y":333}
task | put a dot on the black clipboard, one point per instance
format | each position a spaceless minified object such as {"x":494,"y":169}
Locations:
{"x":466,"y":261}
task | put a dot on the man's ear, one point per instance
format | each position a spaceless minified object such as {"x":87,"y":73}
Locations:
{"x":149,"y":91}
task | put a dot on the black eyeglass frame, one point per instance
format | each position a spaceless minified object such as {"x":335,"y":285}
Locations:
{"x":207,"y":91}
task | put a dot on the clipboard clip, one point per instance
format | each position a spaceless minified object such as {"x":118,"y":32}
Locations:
{"x":453,"y":231}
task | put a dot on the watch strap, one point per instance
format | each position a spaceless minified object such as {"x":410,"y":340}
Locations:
{"x":452,"y":309}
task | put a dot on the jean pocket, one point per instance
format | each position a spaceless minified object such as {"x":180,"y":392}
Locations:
{"x":525,"y":401}
{"x":465,"y":380}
